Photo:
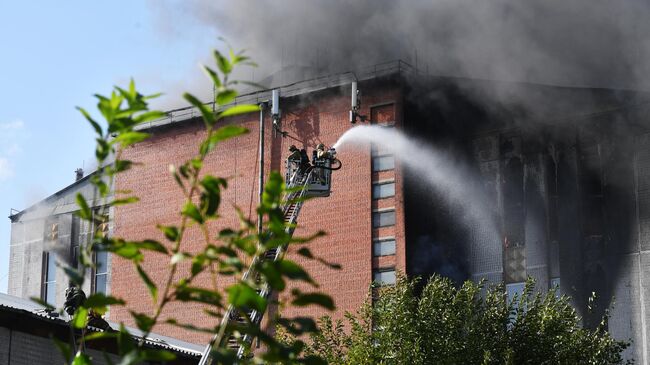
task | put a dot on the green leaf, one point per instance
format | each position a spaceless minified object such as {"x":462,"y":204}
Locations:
{"x":84,"y":210}
{"x":102,"y":149}
{"x":152,"y":245}
{"x":243,"y":296}
{"x":198,"y":264}
{"x":142,"y":321}
{"x":272,"y":275}
{"x":226,"y":96}
{"x":191,"y":211}
{"x":128,"y":138}
{"x":239,"y":109}
{"x":213,"y":76}
{"x":149,"y":116}
{"x":99,"y":336}
{"x":195,"y":294}
{"x":293,"y":271}
{"x":153,"y":290}
{"x":122,"y":165}
{"x":305,"y":299}
{"x":171,"y":232}
{"x":99,"y":301}
{"x":81,"y":359}
{"x":211,"y":196}
{"x":158,"y":355}
{"x":128,"y":250}
{"x":92,"y":122}
{"x":125,"y":201}
{"x":221,"y":134}
{"x":208,"y":117}
{"x":222,"y":62}
{"x":80,"y":318}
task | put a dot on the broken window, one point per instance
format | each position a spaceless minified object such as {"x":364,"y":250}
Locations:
{"x":383,"y":114}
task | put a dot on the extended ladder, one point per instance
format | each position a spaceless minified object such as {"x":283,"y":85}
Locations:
{"x":297,"y":188}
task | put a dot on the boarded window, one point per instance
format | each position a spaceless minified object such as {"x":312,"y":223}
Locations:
{"x":383,"y":218}
{"x":383,"y":247}
{"x":383,"y":190}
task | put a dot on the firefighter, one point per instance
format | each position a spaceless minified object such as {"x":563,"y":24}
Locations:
{"x":304,"y":160}
{"x":320,"y":155}
{"x":294,"y":154}
{"x":321,"y":152}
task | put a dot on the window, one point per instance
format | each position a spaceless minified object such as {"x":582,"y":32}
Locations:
{"x":383,"y":218}
{"x":383,"y":247}
{"x":100,"y":276}
{"x":101,"y":272}
{"x":383,"y":190}
{"x":383,"y":163}
{"x":384,"y":276}
{"x":515,"y":290}
{"x":49,"y":278}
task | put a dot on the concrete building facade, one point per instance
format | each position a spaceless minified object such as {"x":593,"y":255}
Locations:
{"x":45,"y":237}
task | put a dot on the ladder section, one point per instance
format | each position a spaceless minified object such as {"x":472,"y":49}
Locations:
{"x":233,"y":318}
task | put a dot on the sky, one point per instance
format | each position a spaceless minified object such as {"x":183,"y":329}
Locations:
{"x":55,"y":56}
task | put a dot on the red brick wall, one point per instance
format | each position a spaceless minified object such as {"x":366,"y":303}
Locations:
{"x":310,"y":119}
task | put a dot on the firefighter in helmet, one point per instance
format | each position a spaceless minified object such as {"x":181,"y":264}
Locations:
{"x":294,"y":154}
{"x":322,"y":153}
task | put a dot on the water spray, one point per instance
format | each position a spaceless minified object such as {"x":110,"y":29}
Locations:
{"x":435,"y":169}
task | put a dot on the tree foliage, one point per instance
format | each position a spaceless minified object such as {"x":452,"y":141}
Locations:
{"x":227,"y":253}
{"x":472,"y":324}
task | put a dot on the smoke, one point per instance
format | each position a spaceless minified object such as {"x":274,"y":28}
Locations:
{"x":440,"y":174}
{"x":594,"y":43}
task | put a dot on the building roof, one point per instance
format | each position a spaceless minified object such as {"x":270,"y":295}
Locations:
{"x":12,"y":308}
{"x":311,"y":85}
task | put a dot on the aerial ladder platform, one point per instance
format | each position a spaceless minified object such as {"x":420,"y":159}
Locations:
{"x":302,"y":182}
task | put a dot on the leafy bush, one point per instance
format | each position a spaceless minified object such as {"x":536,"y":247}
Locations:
{"x":472,"y":324}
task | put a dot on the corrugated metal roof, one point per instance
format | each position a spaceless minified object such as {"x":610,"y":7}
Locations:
{"x":20,"y":305}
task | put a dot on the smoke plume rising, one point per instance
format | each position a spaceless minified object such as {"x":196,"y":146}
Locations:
{"x":596,"y":43}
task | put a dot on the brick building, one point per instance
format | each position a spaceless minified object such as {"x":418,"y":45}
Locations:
{"x":563,"y":176}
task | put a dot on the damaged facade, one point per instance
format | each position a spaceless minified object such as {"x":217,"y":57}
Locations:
{"x":564,"y":174}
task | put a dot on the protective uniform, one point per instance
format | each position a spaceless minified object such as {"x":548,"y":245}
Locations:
{"x":321,"y":152}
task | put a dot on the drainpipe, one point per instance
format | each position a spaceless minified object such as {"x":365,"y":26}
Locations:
{"x":261,"y":177}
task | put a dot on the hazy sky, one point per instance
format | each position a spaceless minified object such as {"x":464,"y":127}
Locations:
{"x":55,"y":56}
